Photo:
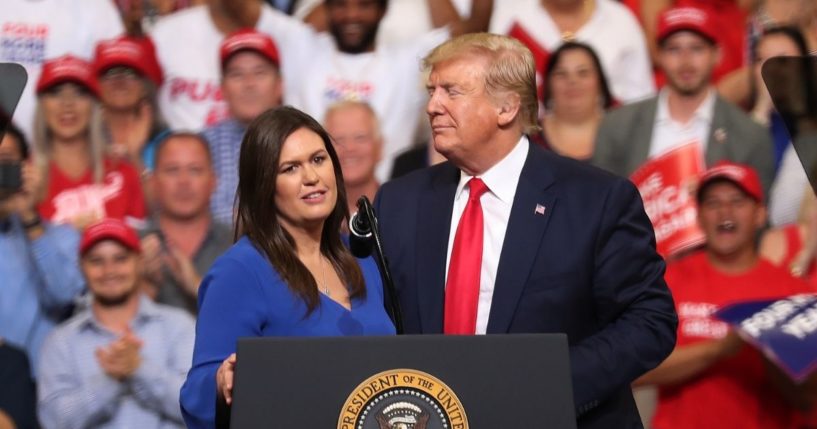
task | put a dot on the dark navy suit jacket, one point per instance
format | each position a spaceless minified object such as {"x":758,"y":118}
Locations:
{"x":586,"y":267}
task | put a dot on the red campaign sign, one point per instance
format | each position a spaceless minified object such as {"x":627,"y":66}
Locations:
{"x":666,"y":184}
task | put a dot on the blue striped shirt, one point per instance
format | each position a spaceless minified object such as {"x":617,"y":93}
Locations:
{"x":74,"y":391}
{"x":224,"y":139}
{"x":39,"y":281}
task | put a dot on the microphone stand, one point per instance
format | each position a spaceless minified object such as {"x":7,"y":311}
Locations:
{"x":393,"y":304}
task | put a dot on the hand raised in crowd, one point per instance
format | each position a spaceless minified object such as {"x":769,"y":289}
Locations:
{"x":242,"y":14}
{"x":182,"y":269}
{"x":762,"y":108}
{"x":157,"y":257}
{"x":799,"y":267}
{"x":224,"y":378}
{"x":152,"y":260}
{"x":82,"y":221}
{"x":133,"y":136}
{"x":24,"y":203}
{"x":132,"y":17}
{"x":139,"y":131}
{"x":164,"y":7}
{"x":121,"y":358}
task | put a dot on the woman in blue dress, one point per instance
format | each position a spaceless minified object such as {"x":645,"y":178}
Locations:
{"x":289,"y":272}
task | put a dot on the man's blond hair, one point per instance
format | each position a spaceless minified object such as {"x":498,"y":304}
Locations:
{"x":511,"y":69}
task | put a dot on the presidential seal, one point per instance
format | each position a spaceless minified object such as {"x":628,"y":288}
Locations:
{"x":402,"y":399}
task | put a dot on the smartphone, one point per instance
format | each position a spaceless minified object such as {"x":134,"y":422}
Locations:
{"x":11,"y":176}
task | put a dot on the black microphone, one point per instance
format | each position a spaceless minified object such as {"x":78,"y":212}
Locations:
{"x":364,"y":239}
{"x":361,"y":241}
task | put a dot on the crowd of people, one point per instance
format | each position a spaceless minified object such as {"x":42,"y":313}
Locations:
{"x":142,"y":120}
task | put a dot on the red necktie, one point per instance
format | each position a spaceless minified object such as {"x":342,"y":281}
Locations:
{"x":462,"y":288}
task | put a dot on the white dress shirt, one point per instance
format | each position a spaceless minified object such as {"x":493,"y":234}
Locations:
{"x":669,"y":134}
{"x":501,"y":180}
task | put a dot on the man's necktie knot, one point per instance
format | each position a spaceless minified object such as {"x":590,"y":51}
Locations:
{"x":476,"y":187}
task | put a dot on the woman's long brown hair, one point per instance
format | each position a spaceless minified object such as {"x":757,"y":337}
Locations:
{"x":257,"y":216}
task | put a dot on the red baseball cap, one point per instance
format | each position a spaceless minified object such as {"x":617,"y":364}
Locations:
{"x":67,"y":68}
{"x":109,"y":229}
{"x":137,"y":53}
{"x":675,"y":19}
{"x":247,"y":39}
{"x":742,"y":175}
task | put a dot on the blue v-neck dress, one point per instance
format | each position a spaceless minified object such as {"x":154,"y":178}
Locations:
{"x":243,"y":296}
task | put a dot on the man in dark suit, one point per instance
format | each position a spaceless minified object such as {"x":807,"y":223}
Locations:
{"x":687,"y":109}
{"x":508,"y":238}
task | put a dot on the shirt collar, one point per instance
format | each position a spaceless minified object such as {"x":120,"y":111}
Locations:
{"x":704,"y":112}
{"x":152,"y":227}
{"x":146,"y":311}
{"x":233,"y":125}
{"x":147,"y":308}
{"x":496,"y":178}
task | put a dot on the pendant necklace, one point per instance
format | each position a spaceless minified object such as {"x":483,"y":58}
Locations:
{"x":325,"y":288}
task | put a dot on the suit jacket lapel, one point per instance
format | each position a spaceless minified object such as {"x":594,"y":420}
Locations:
{"x":433,"y":224}
{"x":643,"y":126}
{"x":523,"y":237}
{"x":717,"y":146}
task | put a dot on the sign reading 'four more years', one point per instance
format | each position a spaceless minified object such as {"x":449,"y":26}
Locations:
{"x":785,"y":330}
{"x":402,"y":399}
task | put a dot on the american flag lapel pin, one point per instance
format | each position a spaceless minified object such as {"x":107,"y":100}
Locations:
{"x":540,"y":209}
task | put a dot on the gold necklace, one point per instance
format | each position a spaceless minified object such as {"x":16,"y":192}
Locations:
{"x":588,"y":8}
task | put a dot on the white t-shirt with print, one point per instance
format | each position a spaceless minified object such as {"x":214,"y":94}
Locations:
{"x":613,"y":32}
{"x":317,"y":75}
{"x":404,"y":21}
{"x":187,"y":47}
{"x":34,"y":31}
{"x":407,"y":19}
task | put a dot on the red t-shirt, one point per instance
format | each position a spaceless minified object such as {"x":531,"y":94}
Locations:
{"x":734,"y":393}
{"x":118,"y":196}
{"x":793,"y":246}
